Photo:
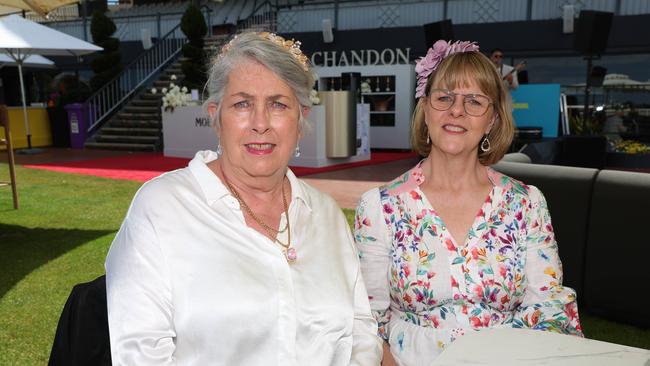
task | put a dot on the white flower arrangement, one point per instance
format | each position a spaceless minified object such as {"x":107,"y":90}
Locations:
{"x":174,"y":96}
{"x":313,"y":97}
{"x":365,"y":87}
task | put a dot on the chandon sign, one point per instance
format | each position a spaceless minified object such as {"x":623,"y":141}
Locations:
{"x":361,"y":57}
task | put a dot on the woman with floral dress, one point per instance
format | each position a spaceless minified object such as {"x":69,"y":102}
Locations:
{"x":452,"y":245}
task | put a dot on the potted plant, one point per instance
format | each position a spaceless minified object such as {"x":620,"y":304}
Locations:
{"x":194,"y":27}
{"x":585,"y":147}
{"x":107,"y":64}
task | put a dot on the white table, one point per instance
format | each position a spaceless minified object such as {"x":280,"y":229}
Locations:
{"x":524,"y":347}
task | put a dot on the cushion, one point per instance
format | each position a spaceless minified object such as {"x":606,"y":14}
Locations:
{"x":516,"y":158}
{"x":616,"y":272}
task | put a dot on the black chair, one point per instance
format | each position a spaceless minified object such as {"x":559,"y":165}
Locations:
{"x":82,"y":334}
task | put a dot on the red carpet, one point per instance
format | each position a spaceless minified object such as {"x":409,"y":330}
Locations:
{"x":142,"y":167}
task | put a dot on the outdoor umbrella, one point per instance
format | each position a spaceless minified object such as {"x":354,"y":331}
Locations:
{"x":42,"y":7}
{"x":21,"y":38}
{"x":5,"y":10}
{"x":31,"y":61}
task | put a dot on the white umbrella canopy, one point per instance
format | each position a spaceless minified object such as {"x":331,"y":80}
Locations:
{"x":617,"y":81}
{"x":31,"y":61}
{"x":623,"y":82}
{"x":42,"y":7}
{"x":20,"y":38}
{"x":8,"y":10}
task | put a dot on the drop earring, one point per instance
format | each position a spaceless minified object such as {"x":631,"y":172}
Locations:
{"x":219,"y":149}
{"x":485,"y":145}
{"x":297,"y":152}
{"x":428,"y":140}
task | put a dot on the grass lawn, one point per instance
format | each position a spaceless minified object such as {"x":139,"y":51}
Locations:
{"x":57,"y":239}
{"x":60,"y":237}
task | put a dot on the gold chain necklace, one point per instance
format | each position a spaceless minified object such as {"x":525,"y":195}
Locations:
{"x":271,"y":231}
{"x":289,"y":252}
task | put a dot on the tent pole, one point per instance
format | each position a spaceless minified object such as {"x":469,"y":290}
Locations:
{"x":22,"y":92}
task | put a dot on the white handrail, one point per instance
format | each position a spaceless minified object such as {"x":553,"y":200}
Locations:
{"x":116,"y":92}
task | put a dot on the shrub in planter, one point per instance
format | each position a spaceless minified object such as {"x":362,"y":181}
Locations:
{"x":64,"y":89}
{"x":194,"y":27}
{"x":107,"y":64}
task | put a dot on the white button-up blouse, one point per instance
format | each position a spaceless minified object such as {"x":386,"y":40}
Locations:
{"x":189,"y":283}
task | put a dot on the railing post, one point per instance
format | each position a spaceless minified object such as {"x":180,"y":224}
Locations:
{"x":84,"y":8}
{"x":158,"y":24}
{"x":208,"y":20}
{"x":106,"y":100}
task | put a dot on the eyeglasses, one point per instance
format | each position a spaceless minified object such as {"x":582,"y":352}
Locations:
{"x":497,"y":56}
{"x":474,"y":104}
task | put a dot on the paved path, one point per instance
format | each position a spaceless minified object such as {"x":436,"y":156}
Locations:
{"x":347,"y":185}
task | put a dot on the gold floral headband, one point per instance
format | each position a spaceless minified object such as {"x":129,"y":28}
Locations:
{"x":292,"y":46}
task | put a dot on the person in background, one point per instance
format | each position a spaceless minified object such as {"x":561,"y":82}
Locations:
{"x":233,"y":260}
{"x":613,"y":126}
{"x":452,"y":246}
{"x":508,"y":73}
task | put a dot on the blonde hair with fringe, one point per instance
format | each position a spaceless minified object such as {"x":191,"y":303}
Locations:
{"x":455,"y":71}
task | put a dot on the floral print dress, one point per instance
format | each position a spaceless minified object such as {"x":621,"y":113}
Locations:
{"x":426,"y":290}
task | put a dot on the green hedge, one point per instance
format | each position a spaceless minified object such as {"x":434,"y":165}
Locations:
{"x":194,"y":27}
{"x":108,"y":63}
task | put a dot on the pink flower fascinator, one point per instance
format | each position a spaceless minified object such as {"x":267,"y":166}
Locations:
{"x":429,"y":63}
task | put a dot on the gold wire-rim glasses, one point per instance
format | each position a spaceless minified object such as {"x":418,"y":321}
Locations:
{"x":479,"y":104}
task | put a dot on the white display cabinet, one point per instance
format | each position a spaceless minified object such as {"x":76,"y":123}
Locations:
{"x":187,"y":130}
{"x":391,"y":99}
{"x":313,"y":142}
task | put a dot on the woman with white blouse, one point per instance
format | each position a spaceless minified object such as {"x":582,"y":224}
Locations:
{"x":451,"y":245}
{"x":233,"y":260}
